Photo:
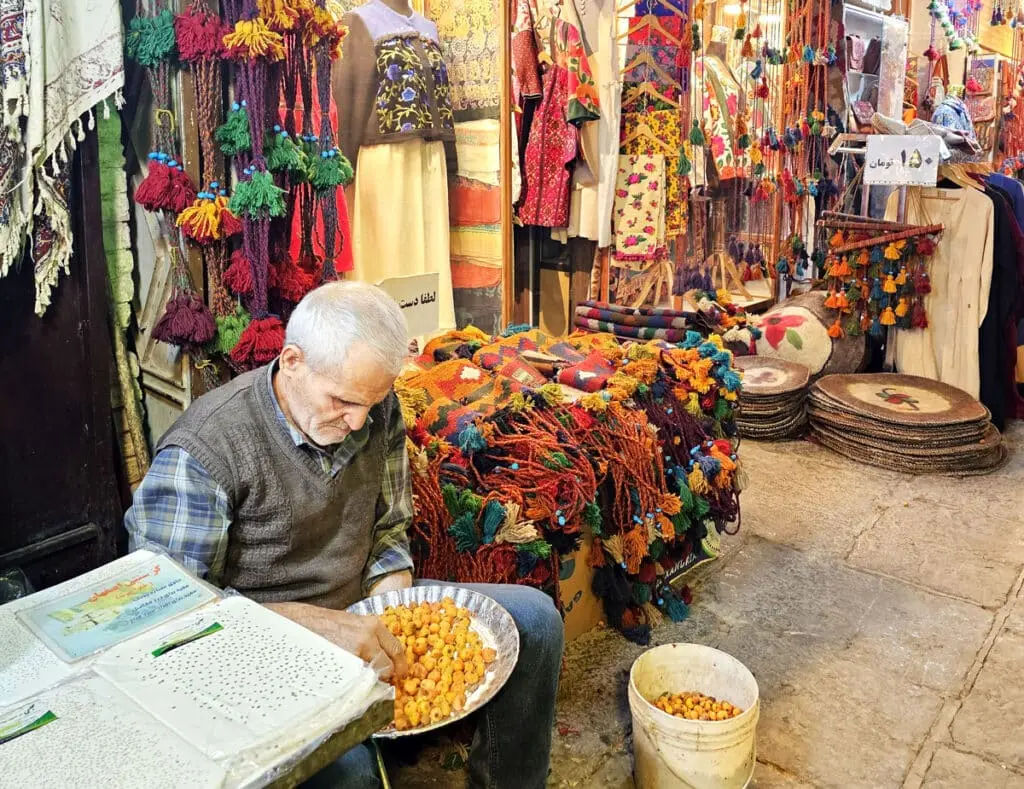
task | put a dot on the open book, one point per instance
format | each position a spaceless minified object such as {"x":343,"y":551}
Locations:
{"x":140,"y":669}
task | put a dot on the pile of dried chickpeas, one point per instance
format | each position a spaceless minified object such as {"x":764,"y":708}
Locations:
{"x":696,"y":707}
{"x":447,"y":660}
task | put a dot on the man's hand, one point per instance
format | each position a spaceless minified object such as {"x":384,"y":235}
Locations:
{"x":363,"y":636}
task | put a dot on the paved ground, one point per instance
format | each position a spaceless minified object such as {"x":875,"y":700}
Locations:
{"x":882,"y":614}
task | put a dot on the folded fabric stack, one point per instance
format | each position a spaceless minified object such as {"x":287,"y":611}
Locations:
{"x":906,"y":423}
{"x":512,"y":461}
{"x":714,"y":315}
{"x":772,"y":403}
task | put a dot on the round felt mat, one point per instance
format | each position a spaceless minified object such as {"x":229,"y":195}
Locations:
{"x":765,"y":376}
{"x":901,"y":399}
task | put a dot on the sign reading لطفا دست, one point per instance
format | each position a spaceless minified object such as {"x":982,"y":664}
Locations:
{"x":896,"y":160}
{"x":105,"y":613}
{"x":417,"y":296}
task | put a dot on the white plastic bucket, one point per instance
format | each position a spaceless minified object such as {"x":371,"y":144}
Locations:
{"x":675,"y":753}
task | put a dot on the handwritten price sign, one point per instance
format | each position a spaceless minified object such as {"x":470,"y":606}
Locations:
{"x":417,"y":296}
{"x":901,"y":161}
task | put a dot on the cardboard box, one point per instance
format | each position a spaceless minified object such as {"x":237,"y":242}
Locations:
{"x":583,"y":611}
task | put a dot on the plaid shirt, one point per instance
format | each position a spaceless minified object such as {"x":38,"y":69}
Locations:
{"x":180,"y":508}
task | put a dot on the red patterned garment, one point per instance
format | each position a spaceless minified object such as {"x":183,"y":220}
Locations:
{"x":549,"y":153}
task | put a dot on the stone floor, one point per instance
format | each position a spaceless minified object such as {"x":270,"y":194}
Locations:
{"x":882,"y":614}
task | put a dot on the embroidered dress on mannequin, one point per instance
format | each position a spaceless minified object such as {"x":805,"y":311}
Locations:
{"x":397,"y":128}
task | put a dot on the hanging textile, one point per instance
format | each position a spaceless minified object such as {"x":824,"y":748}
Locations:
{"x":60,"y":59}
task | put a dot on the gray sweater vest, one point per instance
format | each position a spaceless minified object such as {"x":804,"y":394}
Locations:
{"x":297,"y":534}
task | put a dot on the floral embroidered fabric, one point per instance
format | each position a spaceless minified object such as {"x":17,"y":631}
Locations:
{"x":664,"y":124}
{"x":403,"y":93}
{"x":639,"y":212}
{"x":721,"y":105}
{"x":550,"y":151}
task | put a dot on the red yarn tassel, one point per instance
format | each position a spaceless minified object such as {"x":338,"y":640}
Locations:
{"x":199,"y":35}
{"x":186,"y":322}
{"x":230,"y":225}
{"x":238,"y":276}
{"x":152,"y":193}
{"x":260,"y":343}
{"x":295,"y":280}
{"x":181,"y":193}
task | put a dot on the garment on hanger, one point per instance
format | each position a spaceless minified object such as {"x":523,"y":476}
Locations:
{"x":397,"y":127}
{"x":640,"y":209}
{"x":721,"y":105}
{"x":664,"y":124}
{"x":960,"y":272}
{"x":610,"y":91}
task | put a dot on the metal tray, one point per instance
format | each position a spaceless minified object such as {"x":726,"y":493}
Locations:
{"x":494,"y":624}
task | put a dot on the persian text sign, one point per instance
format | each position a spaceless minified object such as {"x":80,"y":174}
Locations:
{"x":896,"y":160}
{"x":417,"y":296}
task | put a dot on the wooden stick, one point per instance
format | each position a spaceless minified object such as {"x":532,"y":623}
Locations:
{"x":889,"y":238}
{"x":835,"y":224}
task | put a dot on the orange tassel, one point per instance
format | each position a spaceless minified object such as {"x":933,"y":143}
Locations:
{"x":890,"y":285}
{"x":252,"y":38}
{"x":634,"y":548}
{"x":865,"y":289}
{"x":863,"y":259}
{"x":835,"y":331}
{"x":901,"y":308}
{"x":837,"y":239}
{"x":888,"y":317}
{"x":832,"y":301}
{"x":842,"y":302}
{"x":895,"y":250}
{"x":901,"y":278}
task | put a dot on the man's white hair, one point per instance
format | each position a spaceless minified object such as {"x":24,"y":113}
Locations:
{"x":332,"y":317}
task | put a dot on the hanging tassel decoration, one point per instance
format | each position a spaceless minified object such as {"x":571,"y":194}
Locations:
{"x":259,"y":343}
{"x":150,"y":40}
{"x":696,"y":135}
{"x":257,"y":197}
{"x":330,"y":170}
{"x":233,"y":135}
{"x":238,"y":277}
{"x":186,"y":322}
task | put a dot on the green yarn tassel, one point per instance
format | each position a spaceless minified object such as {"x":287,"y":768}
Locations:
{"x":283,"y":155}
{"x":684,"y":167}
{"x":743,"y":142}
{"x":740,"y":34}
{"x":686,"y":495}
{"x":759,"y":170}
{"x":233,"y":136}
{"x":258,"y":198}
{"x":556,"y":461}
{"x":696,"y":135}
{"x":722,"y":409}
{"x":150,"y":39}
{"x":701,"y":508}
{"x":329,"y":172}
{"x":229,"y":330}
{"x":494,"y":515}
{"x":657,"y":549}
{"x":676,"y":609}
{"x":641,"y":593}
{"x":539,"y":548}
{"x":463,"y":530}
{"x":592,"y":517}
{"x":681,"y":523}
{"x":460,"y":502}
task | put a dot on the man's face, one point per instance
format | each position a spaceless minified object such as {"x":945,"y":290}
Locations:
{"x":327,"y":405}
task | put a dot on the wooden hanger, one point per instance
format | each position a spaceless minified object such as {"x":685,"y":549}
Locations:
{"x":647,"y":89}
{"x":646,"y":59}
{"x":631,"y":6}
{"x":646,"y":132}
{"x":650,"y":22}
{"x":956,"y":174}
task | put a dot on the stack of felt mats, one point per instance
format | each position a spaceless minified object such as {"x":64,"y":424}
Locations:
{"x":715,"y":314}
{"x":518,"y":443}
{"x":905,"y":423}
{"x":772,"y":403}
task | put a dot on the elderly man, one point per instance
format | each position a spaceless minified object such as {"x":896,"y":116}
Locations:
{"x":291,"y":485}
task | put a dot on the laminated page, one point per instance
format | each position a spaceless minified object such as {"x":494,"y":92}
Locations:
{"x":86,"y":733}
{"x":27,"y":665}
{"x":139,"y":596}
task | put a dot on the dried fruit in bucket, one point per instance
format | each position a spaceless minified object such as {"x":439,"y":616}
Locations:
{"x":696,"y":707}
{"x":447,"y":660}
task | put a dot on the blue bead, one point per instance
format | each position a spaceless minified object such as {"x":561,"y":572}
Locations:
{"x":277,"y":127}
{"x":214,"y":184}
{"x":153,"y":155}
{"x":561,"y":520}
{"x":515,"y":467}
{"x":234,"y":106}
{"x":668,"y":410}
{"x":172,"y":163}
{"x":657,"y":509}
{"x":661,"y":601}
{"x":245,"y":103}
{"x":284,"y":134}
{"x":622,"y":565}
{"x":224,"y":192}
{"x":650,"y":514}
